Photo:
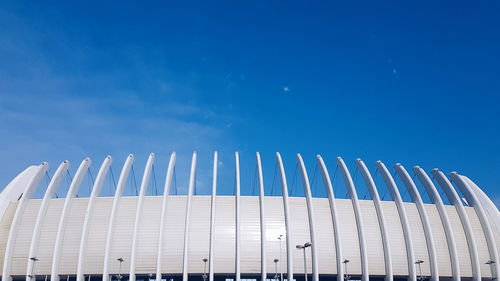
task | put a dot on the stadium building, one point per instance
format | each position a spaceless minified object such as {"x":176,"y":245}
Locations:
{"x":249,"y":238}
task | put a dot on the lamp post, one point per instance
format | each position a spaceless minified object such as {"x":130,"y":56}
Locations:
{"x":276,"y":276}
{"x":303,"y":248}
{"x":119,"y":276}
{"x":32,"y":275}
{"x":419,"y":262}
{"x":204,"y":276}
{"x":346,"y":276}
{"x":490,"y":262}
{"x":281,"y":271}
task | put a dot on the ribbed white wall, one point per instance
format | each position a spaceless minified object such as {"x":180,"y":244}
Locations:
{"x":349,"y":235}
{"x":275,"y":226}
{"x":482,"y":245}
{"x":5,"y":223}
{"x":398,"y":246}
{"x":441,"y":244}
{"x":418,"y":237}
{"x":324,"y":234}
{"x":250,"y":235}
{"x":23,"y":237}
{"x":225,"y":236}
{"x":147,"y":240}
{"x":464,"y":258}
{"x":374,"y":245}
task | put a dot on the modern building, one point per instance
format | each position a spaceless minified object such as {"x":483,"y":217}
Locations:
{"x":454,"y":235}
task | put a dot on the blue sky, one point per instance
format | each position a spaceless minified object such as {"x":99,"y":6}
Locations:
{"x":416,"y":83}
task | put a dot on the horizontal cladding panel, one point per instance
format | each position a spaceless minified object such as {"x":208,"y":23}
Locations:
{"x":48,"y":236}
{"x":373,"y":236}
{"x":199,"y":233}
{"x":327,"y":261}
{"x":275,"y":226}
{"x":397,"y":238}
{"x":147,"y":237}
{"x":225,"y":235}
{"x":173,"y":243}
{"x":23,"y":237}
{"x":98,"y":229}
{"x":349,"y":235}
{"x":5,"y":224}
{"x":418,"y":236}
{"x":300,"y":233}
{"x":464,"y":258}
{"x":482,"y":245}
{"x":123,"y":233}
{"x":72,"y":236}
{"x":250,"y":234}
{"x":440,"y":241}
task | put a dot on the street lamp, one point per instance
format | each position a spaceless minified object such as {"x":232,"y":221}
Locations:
{"x":276,"y":269}
{"x":32,"y":275}
{"x":119,"y":276}
{"x":490,"y":262}
{"x":204,"y":276}
{"x":346,"y":277}
{"x":281,"y":271}
{"x":303,"y":248}
{"x":419,"y":262}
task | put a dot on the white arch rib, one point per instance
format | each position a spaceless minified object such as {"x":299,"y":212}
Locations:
{"x":73,"y":189}
{"x":424,"y":217}
{"x":453,"y":197}
{"x":372,"y":189}
{"x":163,"y":216}
{"x":284,"y":188}
{"x":263,"y":260}
{"x":485,"y":224}
{"x":393,"y":190}
{"x":436,"y":199}
{"x":96,"y":189}
{"x":212,"y":218}
{"x":365,"y":275}
{"x":114,"y":210}
{"x":310,"y":211}
{"x":142,"y":192}
{"x":16,"y":220}
{"x":335,"y":221}
{"x":192,"y":181}
{"x":238,"y":218}
{"x":40,"y":219}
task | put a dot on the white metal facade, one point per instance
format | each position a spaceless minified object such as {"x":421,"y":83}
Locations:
{"x":170,"y":235}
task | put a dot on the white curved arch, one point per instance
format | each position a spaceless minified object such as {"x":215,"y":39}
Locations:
{"x":310,"y":211}
{"x":445,"y":220}
{"x":335,"y":220}
{"x":284,"y":188}
{"x":263,"y":260}
{"x":212,"y":218}
{"x":114,"y":209}
{"x":453,"y":197}
{"x":471,"y":197}
{"x":372,"y":189}
{"x":163,"y":216}
{"x":238,"y":219}
{"x":31,"y":185}
{"x":393,"y":190}
{"x":142,"y":192}
{"x":40,"y":219}
{"x":73,"y":189}
{"x":424,"y":217}
{"x":96,"y":189}
{"x":365,"y":275}
{"x":192,"y":182}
